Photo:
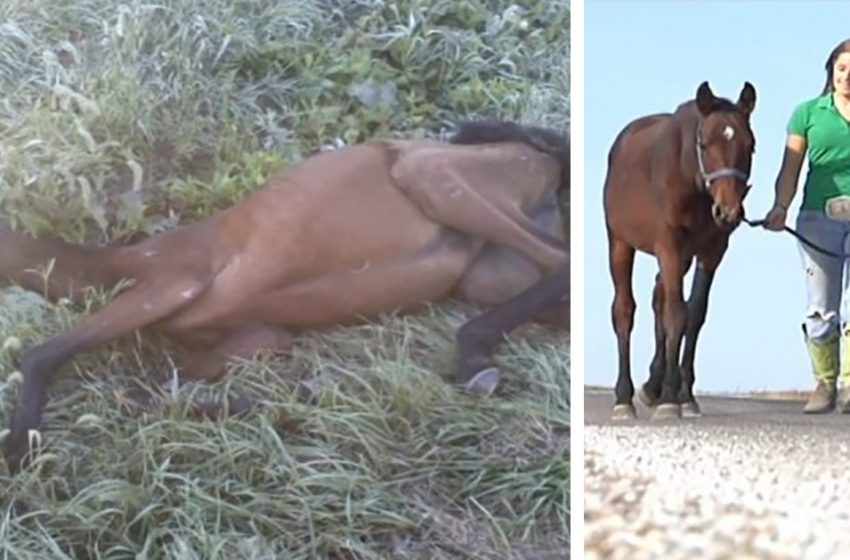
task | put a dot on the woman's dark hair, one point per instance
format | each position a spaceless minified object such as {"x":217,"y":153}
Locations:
{"x":842,"y":47}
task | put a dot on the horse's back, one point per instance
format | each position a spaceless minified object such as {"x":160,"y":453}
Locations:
{"x":506,"y":172}
{"x":634,"y":144}
{"x":632,"y":204}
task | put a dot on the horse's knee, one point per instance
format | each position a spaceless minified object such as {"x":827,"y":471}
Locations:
{"x":35,"y":363}
{"x":658,"y":298}
{"x":40,"y":362}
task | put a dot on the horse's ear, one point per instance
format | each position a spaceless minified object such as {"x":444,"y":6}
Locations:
{"x":747,"y":99}
{"x":705,"y":98}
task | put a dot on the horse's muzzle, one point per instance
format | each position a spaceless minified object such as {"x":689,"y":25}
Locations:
{"x":726,"y":218}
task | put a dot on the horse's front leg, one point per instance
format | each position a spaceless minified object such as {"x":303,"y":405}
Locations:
{"x":674,"y":317}
{"x":697,"y":307}
{"x":477,"y":338}
{"x":621,"y":262}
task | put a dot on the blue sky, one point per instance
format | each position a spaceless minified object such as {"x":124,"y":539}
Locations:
{"x":647,"y":57}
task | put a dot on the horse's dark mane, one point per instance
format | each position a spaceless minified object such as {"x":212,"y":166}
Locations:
{"x":687,"y":114}
{"x":720,"y":104}
{"x":546,"y":140}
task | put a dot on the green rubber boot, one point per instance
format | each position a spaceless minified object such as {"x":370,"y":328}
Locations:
{"x":844,"y":375}
{"x":825,"y":361}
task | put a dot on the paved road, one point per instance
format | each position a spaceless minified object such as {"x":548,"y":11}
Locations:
{"x":722,"y":411}
{"x":750,"y":479}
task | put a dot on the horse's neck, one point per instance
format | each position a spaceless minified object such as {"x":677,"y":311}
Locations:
{"x":673,"y":162}
{"x":54,"y":269}
{"x":687,"y":155}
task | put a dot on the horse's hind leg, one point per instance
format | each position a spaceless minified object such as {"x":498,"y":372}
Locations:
{"x":621,"y":262}
{"x":244,"y":342}
{"x":651,"y":390}
{"x":209,"y":363}
{"x":143,"y":304}
{"x":476,"y":338}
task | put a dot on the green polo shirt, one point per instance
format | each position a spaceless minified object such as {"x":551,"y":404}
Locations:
{"x":827,"y":136}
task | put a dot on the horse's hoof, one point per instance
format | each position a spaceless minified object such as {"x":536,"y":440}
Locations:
{"x":691,"y":409}
{"x":644,"y":397}
{"x":667,"y":411}
{"x":623,"y":412}
{"x":484,"y":382}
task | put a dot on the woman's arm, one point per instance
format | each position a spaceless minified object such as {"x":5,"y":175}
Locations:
{"x":786,"y":181}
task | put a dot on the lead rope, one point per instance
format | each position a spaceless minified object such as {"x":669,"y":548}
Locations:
{"x":803,"y":240}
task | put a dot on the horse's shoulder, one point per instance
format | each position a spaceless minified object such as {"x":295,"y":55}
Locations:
{"x":417,"y":160}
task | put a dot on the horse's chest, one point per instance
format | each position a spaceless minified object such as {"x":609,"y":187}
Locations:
{"x":692,"y":215}
{"x":691,"y":220}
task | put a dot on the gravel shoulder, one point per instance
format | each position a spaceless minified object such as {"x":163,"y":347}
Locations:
{"x":750,"y":479}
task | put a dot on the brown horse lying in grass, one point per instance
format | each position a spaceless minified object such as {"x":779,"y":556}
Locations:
{"x":343,"y":236}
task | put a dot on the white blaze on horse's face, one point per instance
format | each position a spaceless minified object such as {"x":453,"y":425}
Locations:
{"x":725,"y":165}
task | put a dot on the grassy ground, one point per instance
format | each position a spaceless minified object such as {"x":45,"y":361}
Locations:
{"x":123,"y":119}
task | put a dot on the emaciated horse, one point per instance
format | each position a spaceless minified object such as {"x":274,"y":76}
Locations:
{"x":344,"y":235}
{"x":675,"y":189}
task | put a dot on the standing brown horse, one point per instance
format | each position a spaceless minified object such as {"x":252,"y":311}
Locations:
{"x":675,"y":189}
{"x":344,"y":235}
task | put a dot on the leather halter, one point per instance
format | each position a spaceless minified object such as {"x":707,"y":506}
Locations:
{"x":707,"y":178}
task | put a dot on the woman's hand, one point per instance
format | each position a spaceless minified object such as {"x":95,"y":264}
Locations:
{"x":775,"y":219}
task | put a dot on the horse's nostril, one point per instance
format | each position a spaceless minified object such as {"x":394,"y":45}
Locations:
{"x":717,"y":212}
{"x":725,"y":216}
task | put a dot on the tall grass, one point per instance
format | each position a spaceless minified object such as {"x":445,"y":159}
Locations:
{"x":122,"y":119}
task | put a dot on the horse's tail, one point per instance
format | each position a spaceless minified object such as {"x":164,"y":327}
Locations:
{"x":546,"y":140}
{"x":52,"y":267}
